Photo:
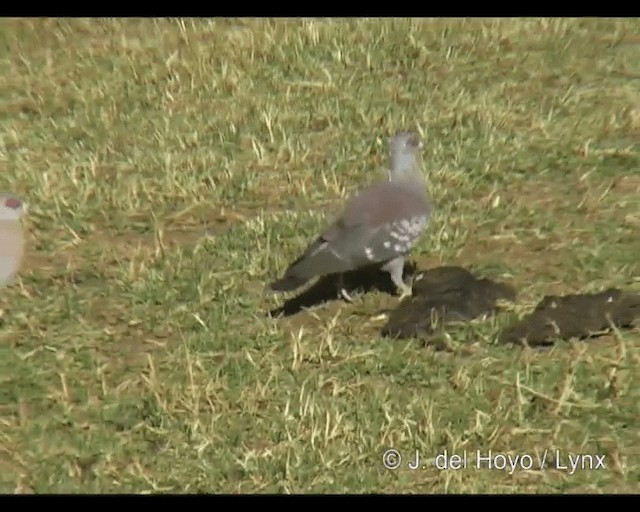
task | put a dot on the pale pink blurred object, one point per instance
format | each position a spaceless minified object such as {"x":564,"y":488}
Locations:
{"x":12,"y":209}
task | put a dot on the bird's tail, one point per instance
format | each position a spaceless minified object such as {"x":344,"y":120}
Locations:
{"x":287,"y":284}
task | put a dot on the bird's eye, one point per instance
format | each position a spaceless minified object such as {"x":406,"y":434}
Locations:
{"x":13,"y":203}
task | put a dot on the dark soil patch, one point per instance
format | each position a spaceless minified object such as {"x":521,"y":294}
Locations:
{"x":575,"y":316}
{"x":444,"y":295}
{"x":449,"y":295}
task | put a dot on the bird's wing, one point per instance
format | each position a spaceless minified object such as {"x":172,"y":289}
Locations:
{"x":380,"y":224}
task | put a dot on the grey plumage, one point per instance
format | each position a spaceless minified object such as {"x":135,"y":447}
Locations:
{"x":379,"y":225}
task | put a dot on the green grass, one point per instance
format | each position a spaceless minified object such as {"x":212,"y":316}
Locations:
{"x":173,"y":168}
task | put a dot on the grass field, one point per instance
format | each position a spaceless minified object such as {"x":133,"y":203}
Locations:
{"x":174,"y":167}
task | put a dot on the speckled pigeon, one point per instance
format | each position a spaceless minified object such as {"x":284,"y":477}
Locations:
{"x":379,"y":225}
{"x":11,"y":236}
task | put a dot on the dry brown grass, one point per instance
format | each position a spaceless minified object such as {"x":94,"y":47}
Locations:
{"x":135,"y":353}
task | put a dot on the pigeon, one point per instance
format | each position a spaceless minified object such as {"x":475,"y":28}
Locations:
{"x":379,"y":226}
{"x":11,"y":236}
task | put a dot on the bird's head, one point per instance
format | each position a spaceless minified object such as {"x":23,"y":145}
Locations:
{"x":404,"y":141}
{"x":406,"y":154}
{"x":11,"y":207}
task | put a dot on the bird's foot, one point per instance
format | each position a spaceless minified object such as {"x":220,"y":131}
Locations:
{"x":344,"y":295}
{"x":342,"y":291}
{"x":405,"y":291}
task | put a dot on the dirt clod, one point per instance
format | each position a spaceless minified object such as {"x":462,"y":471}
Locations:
{"x":575,"y":316}
{"x":444,"y":295}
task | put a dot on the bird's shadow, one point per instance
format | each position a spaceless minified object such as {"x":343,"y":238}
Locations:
{"x":325,"y":290}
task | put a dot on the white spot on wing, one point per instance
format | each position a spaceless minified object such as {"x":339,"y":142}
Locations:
{"x":320,"y":247}
{"x":336,"y":254}
{"x":369,"y":253}
{"x":387,"y":244}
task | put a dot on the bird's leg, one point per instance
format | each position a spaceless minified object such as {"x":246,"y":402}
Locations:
{"x":405,"y":290}
{"x":395,"y":267}
{"x":342,"y":292}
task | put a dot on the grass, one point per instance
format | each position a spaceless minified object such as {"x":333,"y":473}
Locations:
{"x":174,"y":167}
